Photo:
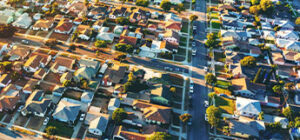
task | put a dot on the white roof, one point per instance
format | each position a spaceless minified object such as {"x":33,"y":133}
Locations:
{"x":104,"y":29}
{"x":269,"y":34}
{"x":288,"y":34}
{"x":282,"y":42}
{"x":248,"y":105}
{"x":106,"y":36}
{"x":24,"y":20}
{"x":114,"y":102}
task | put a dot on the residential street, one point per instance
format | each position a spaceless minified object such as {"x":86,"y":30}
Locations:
{"x":199,"y":127}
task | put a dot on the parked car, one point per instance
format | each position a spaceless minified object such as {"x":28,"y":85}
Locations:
{"x":46,"y":121}
{"x":82,"y":117}
{"x":206,"y":118}
{"x":20,"y":108}
{"x":194,"y":51}
{"x":194,"y":44}
{"x":190,"y":121}
{"x":69,"y":50}
{"x":194,"y":27}
{"x":206,"y":103}
{"x":25,"y":41}
{"x":205,"y":69}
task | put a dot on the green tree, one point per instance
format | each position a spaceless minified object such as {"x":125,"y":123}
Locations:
{"x":261,"y":116}
{"x":122,"y":20}
{"x":160,"y":136}
{"x":165,"y":5}
{"x":72,"y":47}
{"x":100,"y":44}
{"x":255,"y":2}
{"x":277,"y":89}
{"x":255,"y":9}
{"x":267,"y":6}
{"x":248,"y":61}
{"x":121,"y":57}
{"x":213,"y":115}
{"x":7,"y":31}
{"x":15,"y":76}
{"x":124,"y":47}
{"x":257,"y":76}
{"x":66,"y":83}
{"x":212,"y":40}
{"x":5,"y":66}
{"x":119,"y":115}
{"x":86,"y":2}
{"x":287,"y":112}
{"x":210,"y":78}
{"x":173,"y":89}
{"x":51,"y":43}
{"x":180,"y":7}
{"x":143,"y":3}
{"x":226,"y":130}
{"x":51,"y":130}
{"x":289,"y":86}
{"x":211,"y":95}
{"x":185,"y":117}
{"x":297,"y":21}
{"x":193,"y":18}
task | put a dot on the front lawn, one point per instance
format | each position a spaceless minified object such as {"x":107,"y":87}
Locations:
{"x":185,"y":25}
{"x":226,"y":105}
{"x":222,"y":91}
{"x":76,"y":95}
{"x":62,"y":128}
{"x":173,"y":79}
{"x":223,"y":84}
{"x":220,"y":57}
{"x":181,"y":51}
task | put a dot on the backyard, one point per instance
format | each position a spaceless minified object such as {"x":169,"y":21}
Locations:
{"x":62,"y":129}
{"x":76,"y":95}
{"x":226,"y":105}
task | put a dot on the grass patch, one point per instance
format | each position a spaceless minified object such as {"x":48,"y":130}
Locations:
{"x":73,"y":94}
{"x":219,"y":68}
{"x":214,"y":15}
{"x":173,"y":79}
{"x":226,"y":105}
{"x":218,"y":90}
{"x":181,"y":51}
{"x":185,"y":25}
{"x":189,"y":56}
{"x":220,"y":57}
{"x":62,"y":129}
{"x":223,"y":84}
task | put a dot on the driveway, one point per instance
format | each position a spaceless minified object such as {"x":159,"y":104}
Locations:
{"x":35,"y":123}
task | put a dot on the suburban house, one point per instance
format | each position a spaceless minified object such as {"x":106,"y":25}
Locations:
{"x":293,"y":46}
{"x":9,"y":98}
{"x":3,"y":48}
{"x":287,"y":34}
{"x":30,"y":86}
{"x":118,"y":29}
{"x":36,"y":61}
{"x":98,"y":24}
{"x":284,"y":122}
{"x":18,"y":53}
{"x":97,"y":12}
{"x":113,"y":104}
{"x":66,"y":76}
{"x":77,"y":9}
{"x":39,"y":74}
{"x":58,"y":90}
{"x":245,"y":129}
{"x":87,"y":73}
{"x":269,"y":35}
{"x":87,"y":97}
{"x":43,"y":25}
{"x":171,"y":36}
{"x":62,"y":64}
{"x":4,"y":80}
{"x":109,"y":37}
{"x":24,"y":21}
{"x":112,"y":76}
{"x":84,"y":31}
{"x":169,"y":25}
{"x":153,"y":113}
{"x":64,"y":26}
{"x":172,"y":17}
{"x":67,"y":110}
{"x":97,"y":121}
{"x":247,"y":107}
{"x":36,"y":104}
{"x":118,"y":12}
{"x":244,"y":87}
{"x":89,"y":63}
{"x":167,"y":46}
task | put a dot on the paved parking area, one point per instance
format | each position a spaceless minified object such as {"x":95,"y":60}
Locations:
{"x":35,"y":123}
{"x":21,"y":120}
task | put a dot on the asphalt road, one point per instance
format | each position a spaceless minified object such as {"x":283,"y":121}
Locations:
{"x":199,"y":128}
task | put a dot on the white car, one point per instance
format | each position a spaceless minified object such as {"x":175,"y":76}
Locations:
{"x":206,"y":103}
{"x":191,"y":90}
{"x":194,"y":27}
{"x":25,"y":41}
{"x":20,"y":108}
{"x":82,"y":117}
{"x":190,"y":121}
{"x":194,"y":51}
{"x":194,"y":44}
{"x":205,"y":69}
{"x":206,"y":119}
{"x":46,"y":121}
